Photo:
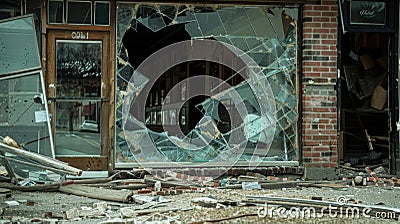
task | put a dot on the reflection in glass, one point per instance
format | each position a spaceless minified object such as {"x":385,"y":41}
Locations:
{"x":23,"y":114}
{"x":78,"y":68}
{"x":18,"y":46}
{"x":78,"y":128}
{"x":78,"y":92}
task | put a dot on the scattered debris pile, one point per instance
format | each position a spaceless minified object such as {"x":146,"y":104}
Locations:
{"x":364,"y":116}
{"x":369,"y":175}
{"x":367,"y":78}
{"x":170,"y":196}
{"x":137,"y":196}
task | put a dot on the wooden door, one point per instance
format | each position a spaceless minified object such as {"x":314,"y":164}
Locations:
{"x":79,"y":89}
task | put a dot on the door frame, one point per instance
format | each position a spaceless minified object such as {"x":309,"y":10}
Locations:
{"x":91,"y":162}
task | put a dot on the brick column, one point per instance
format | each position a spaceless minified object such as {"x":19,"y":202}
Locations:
{"x":319,"y":66}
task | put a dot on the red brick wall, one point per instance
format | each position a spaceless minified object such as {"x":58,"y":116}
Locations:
{"x":319,"y":126}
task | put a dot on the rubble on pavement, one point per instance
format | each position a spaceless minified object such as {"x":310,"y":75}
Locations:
{"x":129,"y":197}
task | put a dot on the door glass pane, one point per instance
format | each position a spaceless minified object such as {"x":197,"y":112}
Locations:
{"x":79,"y":12}
{"x":78,"y":68}
{"x":78,"y":128}
{"x":78,"y":91}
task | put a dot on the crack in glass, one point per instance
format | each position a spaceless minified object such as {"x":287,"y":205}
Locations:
{"x":267,"y":34}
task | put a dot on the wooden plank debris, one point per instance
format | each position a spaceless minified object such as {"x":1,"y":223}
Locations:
{"x":151,"y":211}
{"x":98,"y":193}
{"x":337,"y":185}
{"x":166,"y":183}
{"x":51,"y":187}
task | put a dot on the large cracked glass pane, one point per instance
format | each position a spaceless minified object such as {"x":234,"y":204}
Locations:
{"x":267,"y":35}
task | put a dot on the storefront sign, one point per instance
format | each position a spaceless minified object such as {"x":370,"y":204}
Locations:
{"x":367,"y":13}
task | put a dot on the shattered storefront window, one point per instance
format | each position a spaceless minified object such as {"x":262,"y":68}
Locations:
{"x":184,"y":128}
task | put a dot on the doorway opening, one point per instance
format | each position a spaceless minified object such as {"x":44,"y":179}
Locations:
{"x":363,"y":97}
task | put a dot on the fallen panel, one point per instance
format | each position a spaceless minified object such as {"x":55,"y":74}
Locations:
{"x":18,"y":46}
{"x":24,"y":116}
{"x":98,"y":193}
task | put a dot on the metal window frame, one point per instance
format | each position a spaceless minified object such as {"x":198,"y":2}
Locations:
{"x":161,"y":165}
